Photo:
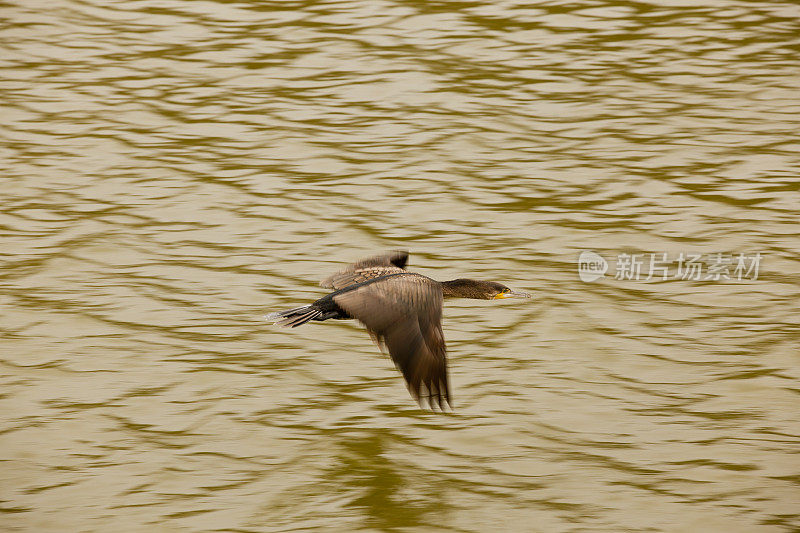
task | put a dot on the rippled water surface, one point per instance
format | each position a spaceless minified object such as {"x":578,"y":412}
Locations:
{"x":174,"y":170}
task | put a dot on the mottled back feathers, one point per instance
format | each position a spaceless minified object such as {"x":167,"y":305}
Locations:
{"x":366,"y":269}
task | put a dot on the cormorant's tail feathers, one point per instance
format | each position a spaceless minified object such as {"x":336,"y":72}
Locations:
{"x":294,"y":317}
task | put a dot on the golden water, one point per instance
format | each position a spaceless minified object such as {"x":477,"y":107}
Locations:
{"x":174,"y":170}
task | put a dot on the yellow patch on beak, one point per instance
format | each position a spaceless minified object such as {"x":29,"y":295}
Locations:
{"x":511,"y":294}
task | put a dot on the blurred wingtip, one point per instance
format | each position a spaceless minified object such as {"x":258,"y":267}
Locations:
{"x":437,"y":401}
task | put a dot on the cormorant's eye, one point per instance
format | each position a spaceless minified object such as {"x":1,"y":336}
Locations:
{"x":506,"y":290}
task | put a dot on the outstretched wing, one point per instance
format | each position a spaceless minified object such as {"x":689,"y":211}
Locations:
{"x":367,"y":269}
{"x":404,"y":313}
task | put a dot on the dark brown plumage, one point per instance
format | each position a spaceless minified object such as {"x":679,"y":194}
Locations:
{"x":402,"y":311}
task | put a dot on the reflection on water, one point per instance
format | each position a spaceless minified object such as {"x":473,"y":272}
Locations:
{"x":175,"y":170}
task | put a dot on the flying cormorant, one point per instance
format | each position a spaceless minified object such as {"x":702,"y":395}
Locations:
{"x":402,"y":311}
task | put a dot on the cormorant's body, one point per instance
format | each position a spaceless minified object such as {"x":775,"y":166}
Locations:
{"x":402,"y":311}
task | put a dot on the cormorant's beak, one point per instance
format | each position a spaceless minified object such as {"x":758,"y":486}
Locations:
{"x":512,"y":294}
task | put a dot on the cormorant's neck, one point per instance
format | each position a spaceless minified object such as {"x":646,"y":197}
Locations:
{"x":462,"y":288}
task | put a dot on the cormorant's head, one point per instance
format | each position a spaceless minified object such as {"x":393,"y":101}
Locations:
{"x":480,"y":290}
{"x":499,"y":291}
